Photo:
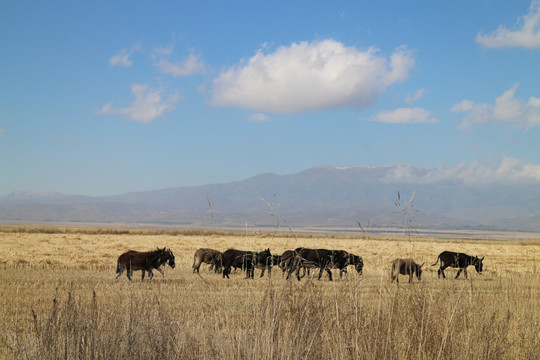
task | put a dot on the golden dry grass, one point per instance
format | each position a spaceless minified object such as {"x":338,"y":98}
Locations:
{"x":59,"y":299}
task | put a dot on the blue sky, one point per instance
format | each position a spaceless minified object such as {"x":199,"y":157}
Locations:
{"x":108,"y":97}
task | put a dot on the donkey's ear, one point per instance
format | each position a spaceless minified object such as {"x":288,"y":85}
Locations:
{"x":422,"y":264}
{"x":482,"y":258}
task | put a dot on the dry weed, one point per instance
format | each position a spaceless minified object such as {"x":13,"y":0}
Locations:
{"x":59,"y":299}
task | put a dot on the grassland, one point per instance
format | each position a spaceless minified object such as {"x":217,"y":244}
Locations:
{"x":59,"y":299}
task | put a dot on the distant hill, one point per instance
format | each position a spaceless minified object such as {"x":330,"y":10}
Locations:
{"x":320,"y":196}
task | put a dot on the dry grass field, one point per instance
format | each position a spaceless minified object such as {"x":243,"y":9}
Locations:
{"x":59,"y":299}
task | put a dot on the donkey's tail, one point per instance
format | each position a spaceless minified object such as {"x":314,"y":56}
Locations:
{"x":119,"y":268}
{"x":438,"y":258}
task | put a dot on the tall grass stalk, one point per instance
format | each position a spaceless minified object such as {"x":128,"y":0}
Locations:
{"x":300,"y":321}
{"x":63,"y":302}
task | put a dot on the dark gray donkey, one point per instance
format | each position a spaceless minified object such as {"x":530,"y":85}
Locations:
{"x":245,"y":260}
{"x":458,"y":260}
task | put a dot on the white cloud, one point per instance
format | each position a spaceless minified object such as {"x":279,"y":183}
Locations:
{"x":191,"y":65}
{"x":526,"y":33}
{"x":258,"y":118}
{"x":507,"y":110}
{"x":415,"y":97}
{"x":162,"y":51}
{"x":122,"y":57}
{"x":405,"y":116}
{"x":310,"y":76}
{"x":148,"y":105}
{"x":510,"y":170}
{"x":2,"y":131}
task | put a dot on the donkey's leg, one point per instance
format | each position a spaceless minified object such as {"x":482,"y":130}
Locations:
{"x":298,"y":272}
{"x":442,"y":271}
{"x":320,"y":274}
{"x":329,"y":274}
{"x":226,"y":271}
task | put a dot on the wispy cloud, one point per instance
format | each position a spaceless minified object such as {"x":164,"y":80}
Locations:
{"x":162,"y":51}
{"x":526,"y":32}
{"x":509,"y":170}
{"x":148,"y":105}
{"x":415,"y":97}
{"x":506,"y":110}
{"x":122,"y":58}
{"x":189,"y":66}
{"x":2,"y":131}
{"x":310,"y":76}
{"x":258,"y":118}
{"x":405,"y":116}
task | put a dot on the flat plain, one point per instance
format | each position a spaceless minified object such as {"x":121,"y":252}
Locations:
{"x":59,"y":299}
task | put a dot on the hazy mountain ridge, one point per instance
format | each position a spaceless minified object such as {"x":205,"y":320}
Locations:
{"x":322,"y":196}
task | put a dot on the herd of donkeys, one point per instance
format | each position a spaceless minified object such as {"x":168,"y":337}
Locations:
{"x":290,"y":261}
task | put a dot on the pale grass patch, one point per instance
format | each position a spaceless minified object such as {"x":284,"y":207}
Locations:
{"x":59,"y":299}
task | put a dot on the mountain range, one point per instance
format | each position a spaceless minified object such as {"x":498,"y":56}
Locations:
{"x":323,"y":196}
